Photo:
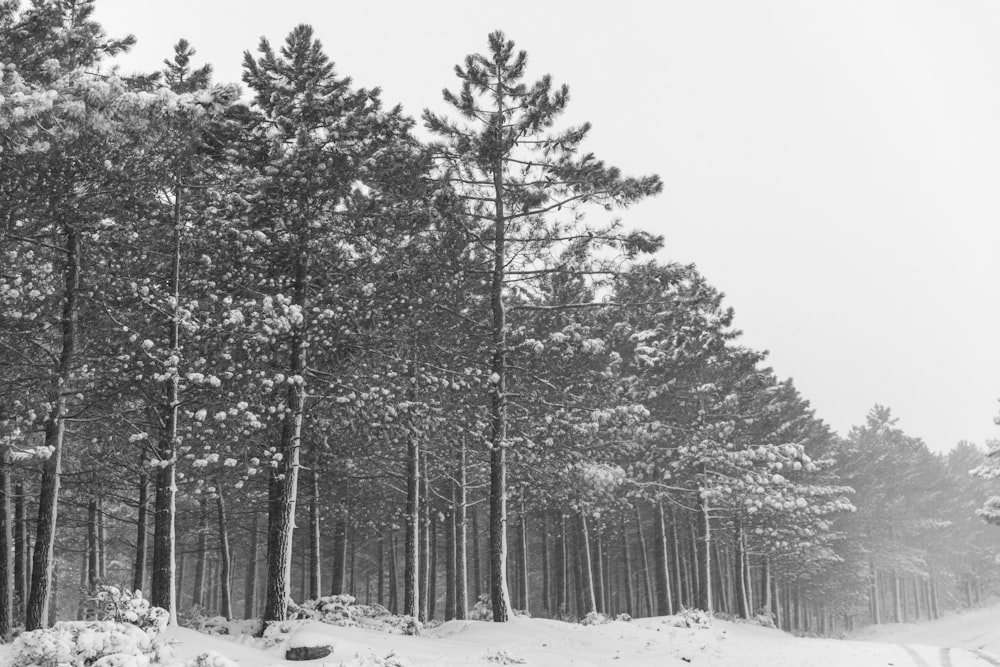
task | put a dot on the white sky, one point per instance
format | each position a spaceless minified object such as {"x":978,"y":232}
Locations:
{"x":833,"y":167}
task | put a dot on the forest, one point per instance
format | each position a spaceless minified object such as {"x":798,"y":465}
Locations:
{"x":266,"y":343}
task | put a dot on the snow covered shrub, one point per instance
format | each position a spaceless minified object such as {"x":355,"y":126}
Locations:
{"x":85,"y":644}
{"x":594,"y":618}
{"x":122,"y":606}
{"x":207,"y":659}
{"x":764,"y":619}
{"x":623,"y":617}
{"x":501,"y":657}
{"x":482,"y":610}
{"x":689,"y":618}
{"x":342,"y":610}
{"x":371,"y":660}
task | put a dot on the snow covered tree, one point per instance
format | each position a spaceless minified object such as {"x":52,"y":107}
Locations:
{"x":522,"y":182}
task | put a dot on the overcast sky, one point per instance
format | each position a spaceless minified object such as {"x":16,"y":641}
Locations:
{"x":833,"y":167}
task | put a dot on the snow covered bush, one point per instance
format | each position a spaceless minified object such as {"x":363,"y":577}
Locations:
{"x":502,"y":657}
{"x":482,"y":610}
{"x":371,"y":660}
{"x":207,"y":659}
{"x":122,"y":606}
{"x":594,"y":618}
{"x":689,"y":618}
{"x":342,"y":610}
{"x":84,"y":644}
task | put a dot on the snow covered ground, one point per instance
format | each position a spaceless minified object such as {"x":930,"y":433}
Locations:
{"x":544,"y":643}
{"x":964,"y":640}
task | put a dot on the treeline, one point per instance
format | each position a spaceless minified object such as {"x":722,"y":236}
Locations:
{"x":265,"y":350}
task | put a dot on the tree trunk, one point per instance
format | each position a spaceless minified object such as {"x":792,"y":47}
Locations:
{"x":284,"y":478}
{"x":477,"y":571}
{"x":739,"y":572}
{"x":664,"y":560}
{"x":600,"y":592}
{"x":676,"y":552}
{"x":411,"y":568}
{"x":627,"y":562}
{"x":393,"y":578}
{"x":20,"y":554}
{"x":340,"y":557}
{"x":142,"y":529}
{"x":425,"y":543}
{"x":498,"y":403}
{"x":564,"y":574}
{"x":588,"y":570}
{"x":432,"y":580}
{"x":315,"y":533}
{"x":523,"y":580}
{"x":250,"y":582}
{"x":449,"y":566}
{"x":647,"y":573}
{"x":198,"y":597}
{"x":704,"y":537}
{"x":6,"y":547}
{"x":380,"y":573}
{"x":897,"y":600}
{"x":546,"y":568}
{"x":461,"y":541}
{"x":93,"y":548}
{"x":102,"y":540}
{"x":55,"y":428}
{"x":225,"y":557}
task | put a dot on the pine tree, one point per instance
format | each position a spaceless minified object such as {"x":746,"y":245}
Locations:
{"x":521,"y":182}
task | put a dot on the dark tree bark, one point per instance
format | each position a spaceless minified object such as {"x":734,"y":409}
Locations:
{"x":380,"y":573}
{"x":477,"y":571}
{"x":703,"y":537}
{"x":393,"y":578}
{"x":449,"y":566}
{"x":647,"y":572}
{"x":461,"y":541}
{"x":6,"y":547}
{"x":663,"y":560}
{"x":55,"y":428}
{"x":340,"y":557}
{"x":250,"y":582}
{"x":102,"y":540}
{"x":93,"y":547}
{"x":546,"y":568}
{"x":20,"y":553}
{"x":198,"y":597}
{"x":142,"y":530}
{"x":739,"y":572}
{"x":432,"y":584}
{"x":600,"y":593}
{"x":315,"y":561}
{"x":523,"y":580}
{"x":627,"y":562}
{"x":411,"y":554}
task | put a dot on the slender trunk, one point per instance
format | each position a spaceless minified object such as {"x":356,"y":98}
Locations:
{"x":380,"y":572}
{"x":588,"y":570}
{"x":6,"y":548}
{"x":739,"y":572}
{"x":449,"y":566}
{"x":225,"y":557}
{"x":600,"y":593}
{"x":676,"y":559}
{"x":315,"y":533}
{"x":647,"y":573}
{"x":627,"y":561}
{"x":43,"y":557}
{"x":477,"y":570}
{"x":20,"y":554}
{"x":498,"y":394}
{"x":339,"y":557}
{"x":563,"y":569}
{"x":411,"y":568}
{"x":665,"y":558}
{"x":546,"y":568}
{"x":704,"y":537}
{"x":198,"y":597}
{"x":461,"y":541}
{"x":425,"y":543}
{"x":93,"y":568}
{"x":393,"y":578}
{"x":163,"y":591}
{"x":142,"y":529}
{"x":432,"y":582}
{"x":524,"y":559}
{"x":250,"y":581}
{"x":897,"y":606}
{"x":102,"y":540}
